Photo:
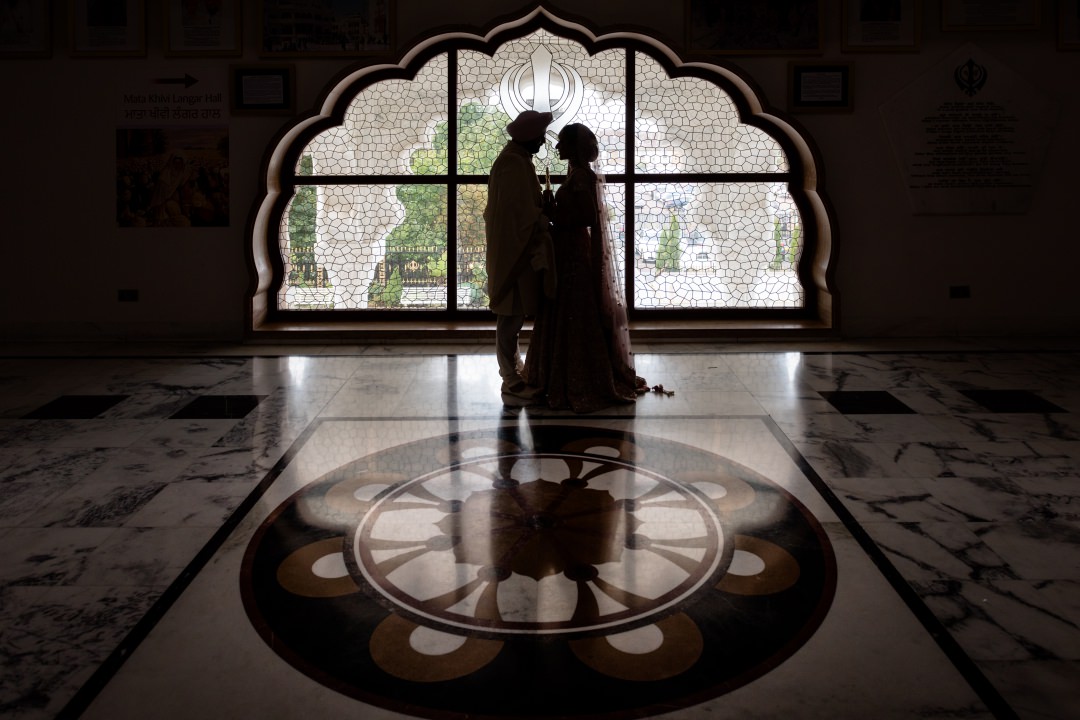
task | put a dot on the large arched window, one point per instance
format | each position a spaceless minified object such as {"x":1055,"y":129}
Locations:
{"x":373,"y":207}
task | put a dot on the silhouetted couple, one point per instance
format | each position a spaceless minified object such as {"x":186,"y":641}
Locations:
{"x":551,"y":257}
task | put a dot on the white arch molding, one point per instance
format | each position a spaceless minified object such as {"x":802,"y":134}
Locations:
{"x":734,"y":201}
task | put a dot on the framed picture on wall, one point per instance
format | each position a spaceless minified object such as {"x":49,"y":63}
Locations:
{"x":262,"y":89}
{"x":999,"y":15}
{"x":108,"y":28}
{"x":753,"y":27}
{"x":880,"y":25}
{"x":1069,"y":24}
{"x":330,"y":28}
{"x":205,"y":28}
{"x":25,"y":29}
{"x":819,"y":87}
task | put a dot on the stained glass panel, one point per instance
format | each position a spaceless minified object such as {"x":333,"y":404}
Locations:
{"x":383,"y":125}
{"x":716,"y":245}
{"x":690,"y":125}
{"x":581,"y":88}
{"x":358,"y":246}
{"x":471,"y":247}
{"x":710,"y":245}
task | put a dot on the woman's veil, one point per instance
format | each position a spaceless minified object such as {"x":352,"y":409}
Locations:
{"x":611,"y":294}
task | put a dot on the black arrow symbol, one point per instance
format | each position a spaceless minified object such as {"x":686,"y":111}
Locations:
{"x":187,"y":81}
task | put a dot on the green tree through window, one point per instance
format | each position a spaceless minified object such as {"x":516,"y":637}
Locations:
{"x":394,"y":175}
{"x":416,"y":249}
{"x":304,"y":271}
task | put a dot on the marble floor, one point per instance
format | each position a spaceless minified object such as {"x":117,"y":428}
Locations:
{"x":877,"y":530}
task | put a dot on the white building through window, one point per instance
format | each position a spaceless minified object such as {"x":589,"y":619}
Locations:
{"x":373,"y":208}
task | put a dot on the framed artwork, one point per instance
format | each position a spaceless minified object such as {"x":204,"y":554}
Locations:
{"x":880,"y":25}
{"x":1069,"y":24}
{"x":328,"y":28}
{"x":108,"y":28}
{"x":262,"y":89}
{"x":205,"y":28}
{"x":987,"y":15}
{"x":819,"y":87}
{"x":752,"y":27}
{"x":25,"y":29}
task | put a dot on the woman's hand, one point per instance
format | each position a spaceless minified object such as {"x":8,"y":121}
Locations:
{"x":547,"y":201}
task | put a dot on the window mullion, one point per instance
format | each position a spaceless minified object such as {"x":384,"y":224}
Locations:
{"x":452,"y":183}
{"x":628,"y":186}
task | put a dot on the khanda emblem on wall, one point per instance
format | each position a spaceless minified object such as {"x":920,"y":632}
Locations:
{"x":545,"y":86}
{"x":970,"y":77}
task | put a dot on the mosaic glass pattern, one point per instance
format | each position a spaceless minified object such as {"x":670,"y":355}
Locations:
{"x":690,"y":125}
{"x":706,"y":245}
{"x":370,"y":253}
{"x":383,"y":125}
{"x":583,"y":88}
{"x":471,"y":247}
{"x":353,"y":242}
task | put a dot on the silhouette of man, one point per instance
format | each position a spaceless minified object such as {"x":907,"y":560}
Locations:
{"x":518,"y":246}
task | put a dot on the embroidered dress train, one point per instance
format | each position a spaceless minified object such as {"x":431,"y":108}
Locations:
{"x":579,"y":353}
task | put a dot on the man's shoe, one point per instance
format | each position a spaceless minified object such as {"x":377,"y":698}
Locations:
{"x":518,"y":388}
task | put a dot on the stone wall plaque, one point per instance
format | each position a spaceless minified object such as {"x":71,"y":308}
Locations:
{"x":970,"y":136}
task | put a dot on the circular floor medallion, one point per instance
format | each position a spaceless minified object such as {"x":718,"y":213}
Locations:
{"x":573,"y":572}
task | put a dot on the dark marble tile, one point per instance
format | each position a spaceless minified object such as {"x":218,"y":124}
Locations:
{"x":1012,"y":401}
{"x":75,"y":407}
{"x":866,"y":402}
{"x":218,"y":407}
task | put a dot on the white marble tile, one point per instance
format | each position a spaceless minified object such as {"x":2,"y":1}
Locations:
{"x":794,"y":406}
{"x":1037,"y":549}
{"x":931,"y":551}
{"x":32,"y":478}
{"x":943,"y":459}
{"x":1052,"y":498}
{"x":1001,"y":620}
{"x":54,"y":638}
{"x":149,"y":405}
{"x":190,"y":503}
{"x":980,"y":499}
{"x":837,"y":458}
{"x":1018,"y":459}
{"x":977,"y":510}
{"x":97,"y":432}
{"x":859,"y":428}
{"x":52,"y":556}
{"x":1037,"y":689}
{"x":231,"y":464}
{"x":95,"y":505}
{"x":265,"y":430}
{"x":143,"y":556}
{"x":699,"y":402}
{"x":893,"y":499}
{"x":1062,"y":598}
{"x":1008,"y":427}
{"x":185,"y":433}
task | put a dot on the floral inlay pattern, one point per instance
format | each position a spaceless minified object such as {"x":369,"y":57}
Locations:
{"x":427,"y":576}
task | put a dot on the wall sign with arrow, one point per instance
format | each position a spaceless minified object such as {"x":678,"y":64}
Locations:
{"x":172,"y":154}
{"x":173,"y":100}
